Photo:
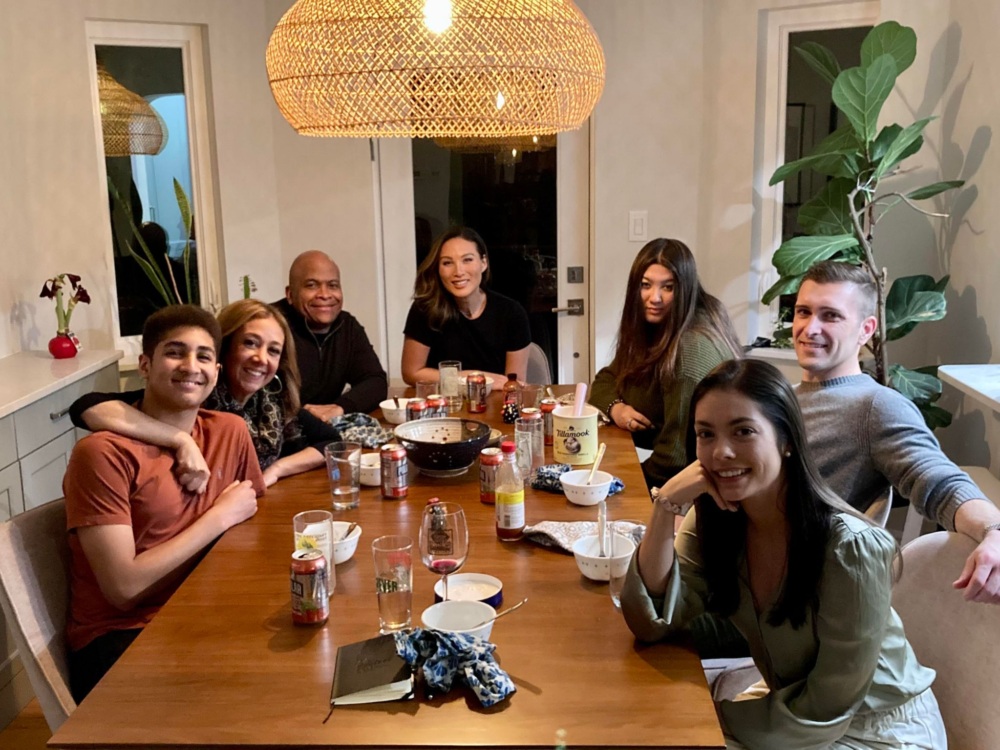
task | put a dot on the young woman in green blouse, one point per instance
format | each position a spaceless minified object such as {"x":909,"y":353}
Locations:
{"x":806,"y":579}
{"x":672,"y":333}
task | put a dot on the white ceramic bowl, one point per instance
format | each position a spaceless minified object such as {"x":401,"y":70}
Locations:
{"x":394,"y":414}
{"x":455,"y":616}
{"x":344,"y":549}
{"x":586,"y":550}
{"x":371,"y":469}
{"x":577,"y":490}
{"x":477,"y":587}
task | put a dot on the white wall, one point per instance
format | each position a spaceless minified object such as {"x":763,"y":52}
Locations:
{"x":52,"y":200}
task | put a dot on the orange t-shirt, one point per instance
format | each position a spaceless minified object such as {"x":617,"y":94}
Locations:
{"x":113,"y":479}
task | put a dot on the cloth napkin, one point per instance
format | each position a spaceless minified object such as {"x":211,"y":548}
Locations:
{"x":444,"y":657}
{"x":547,"y":478}
{"x":361,"y":428}
{"x":562,"y":534}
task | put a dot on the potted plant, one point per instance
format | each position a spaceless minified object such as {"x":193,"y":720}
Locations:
{"x":64,"y":344}
{"x":840,"y":222}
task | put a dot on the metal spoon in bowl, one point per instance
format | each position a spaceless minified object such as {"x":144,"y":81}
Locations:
{"x":498,"y":615}
{"x":347,"y":533}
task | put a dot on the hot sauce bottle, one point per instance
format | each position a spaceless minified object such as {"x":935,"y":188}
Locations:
{"x":509,"y":496}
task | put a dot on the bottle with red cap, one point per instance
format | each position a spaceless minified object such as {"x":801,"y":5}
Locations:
{"x":509,"y":496}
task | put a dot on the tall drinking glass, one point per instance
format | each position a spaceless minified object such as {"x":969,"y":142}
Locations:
{"x":314,"y":530}
{"x":444,"y":539}
{"x":529,"y":437}
{"x":531,"y":395}
{"x":393,"y":557}
{"x":343,"y":467}
{"x":448,"y":371}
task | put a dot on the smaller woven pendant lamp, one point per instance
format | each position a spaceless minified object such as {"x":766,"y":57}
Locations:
{"x":130,"y":124}
{"x":434,"y":68}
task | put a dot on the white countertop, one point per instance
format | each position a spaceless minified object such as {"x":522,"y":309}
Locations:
{"x":28,"y":376}
{"x":982,"y":382}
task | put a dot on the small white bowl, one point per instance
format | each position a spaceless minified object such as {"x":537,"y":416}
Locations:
{"x":394,"y":414}
{"x":586,"y":550}
{"x":455,"y":616}
{"x":477,"y":587}
{"x":577,"y":490}
{"x":343,"y":550}
{"x":371,"y":469}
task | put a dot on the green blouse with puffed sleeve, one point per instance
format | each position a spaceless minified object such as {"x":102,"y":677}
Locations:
{"x":849,"y":657}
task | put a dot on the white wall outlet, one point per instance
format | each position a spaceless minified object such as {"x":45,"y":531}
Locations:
{"x":637,"y":222}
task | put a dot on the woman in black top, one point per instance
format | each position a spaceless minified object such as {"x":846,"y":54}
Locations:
{"x":454,"y":317}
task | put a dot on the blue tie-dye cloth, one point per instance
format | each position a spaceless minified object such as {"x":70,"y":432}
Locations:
{"x":443,"y":657}
{"x":547,"y":478}
{"x":361,"y":428}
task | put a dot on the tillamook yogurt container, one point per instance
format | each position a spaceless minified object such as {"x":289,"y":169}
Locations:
{"x":574,"y":439}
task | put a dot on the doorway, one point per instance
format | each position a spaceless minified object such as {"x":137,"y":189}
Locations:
{"x":532,"y":208}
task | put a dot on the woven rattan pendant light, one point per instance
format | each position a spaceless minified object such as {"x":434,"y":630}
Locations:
{"x":434,"y":68}
{"x":130,"y":125}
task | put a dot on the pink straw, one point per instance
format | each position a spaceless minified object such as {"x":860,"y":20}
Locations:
{"x":579,"y":399}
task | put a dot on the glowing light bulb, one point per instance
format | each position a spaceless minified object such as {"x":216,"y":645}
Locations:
{"x":500,"y":100}
{"x":534,"y":139}
{"x":437,"y":15}
{"x":513,"y":152}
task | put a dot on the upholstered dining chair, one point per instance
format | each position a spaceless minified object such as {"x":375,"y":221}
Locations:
{"x":34,"y":593}
{"x":538,"y":366}
{"x":955,"y":637}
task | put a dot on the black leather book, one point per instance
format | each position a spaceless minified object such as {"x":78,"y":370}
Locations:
{"x":370,"y":672}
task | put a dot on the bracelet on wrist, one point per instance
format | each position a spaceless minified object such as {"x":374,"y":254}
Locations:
{"x":612,"y":405}
{"x":991,"y":527}
{"x":677,"y":510}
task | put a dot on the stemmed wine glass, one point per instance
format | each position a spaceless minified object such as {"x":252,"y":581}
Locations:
{"x":444,"y":539}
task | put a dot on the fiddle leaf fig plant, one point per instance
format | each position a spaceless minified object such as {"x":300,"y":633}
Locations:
{"x":859,"y":159}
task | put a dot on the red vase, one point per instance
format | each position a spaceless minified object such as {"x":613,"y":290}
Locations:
{"x":62,"y":347}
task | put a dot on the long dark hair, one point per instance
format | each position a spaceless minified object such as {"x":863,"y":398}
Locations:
{"x":644,"y":350}
{"x":810,"y":503}
{"x":429,"y":293}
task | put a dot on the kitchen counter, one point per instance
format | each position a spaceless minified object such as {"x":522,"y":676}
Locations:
{"x":28,"y":376}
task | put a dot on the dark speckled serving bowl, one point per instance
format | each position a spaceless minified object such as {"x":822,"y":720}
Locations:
{"x":443,"y":446}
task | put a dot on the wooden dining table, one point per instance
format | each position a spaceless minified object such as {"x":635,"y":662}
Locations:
{"x":222,"y":665}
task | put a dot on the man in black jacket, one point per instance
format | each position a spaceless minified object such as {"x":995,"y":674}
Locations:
{"x":331,"y":347}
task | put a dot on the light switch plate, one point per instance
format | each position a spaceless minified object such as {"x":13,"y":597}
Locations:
{"x":574,"y":275}
{"x":637,"y":221}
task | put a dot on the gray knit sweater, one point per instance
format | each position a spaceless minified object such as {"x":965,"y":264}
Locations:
{"x":865,"y":436}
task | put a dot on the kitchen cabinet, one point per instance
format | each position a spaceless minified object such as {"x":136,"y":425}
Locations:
{"x":36,"y":440}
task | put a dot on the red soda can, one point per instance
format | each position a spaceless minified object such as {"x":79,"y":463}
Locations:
{"x":395,"y":476}
{"x":436,"y":406}
{"x":416,"y":408}
{"x":475,"y":385}
{"x":531,"y":412}
{"x":548,"y":405}
{"x":310,"y":588}
{"x":489,"y":464}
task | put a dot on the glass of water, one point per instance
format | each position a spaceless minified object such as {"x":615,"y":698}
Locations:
{"x":448,"y":373}
{"x":343,"y":466}
{"x":393,"y":557}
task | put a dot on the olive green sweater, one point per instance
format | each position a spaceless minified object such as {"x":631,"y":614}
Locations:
{"x":665,"y":403}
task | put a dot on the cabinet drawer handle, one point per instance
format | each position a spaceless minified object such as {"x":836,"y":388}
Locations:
{"x":57,"y":415}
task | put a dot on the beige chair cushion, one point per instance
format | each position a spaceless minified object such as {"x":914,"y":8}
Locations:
{"x":956,"y":638}
{"x":34,"y":593}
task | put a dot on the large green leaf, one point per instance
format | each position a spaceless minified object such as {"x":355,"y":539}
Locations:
{"x":799,"y":254}
{"x":784,"y":285}
{"x":843,"y":152}
{"x":787,"y":170}
{"x":860,"y":93}
{"x":919,"y":387}
{"x":883,"y":140}
{"x":929,"y":191}
{"x":907,"y":142}
{"x":820,"y":59}
{"x":185,"y":208}
{"x":829,"y":212}
{"x":934,"y":416}
{"x":890,"y":38}
{"x":905,"y":308}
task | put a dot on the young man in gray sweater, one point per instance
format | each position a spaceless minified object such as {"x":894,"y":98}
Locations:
{"x":866,"y":437}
